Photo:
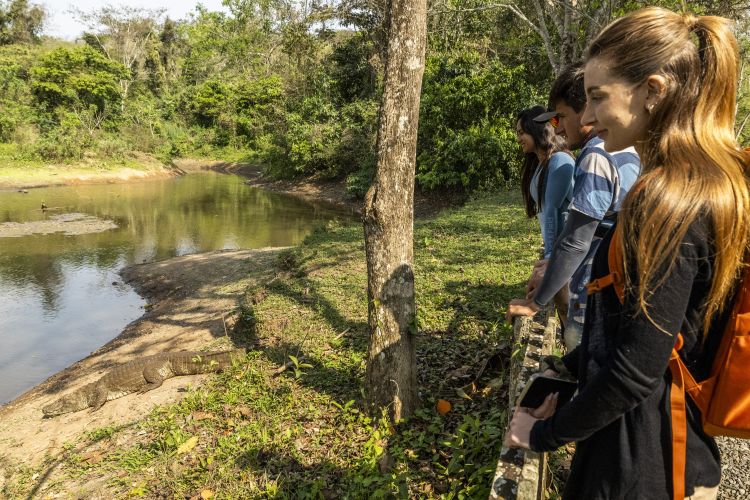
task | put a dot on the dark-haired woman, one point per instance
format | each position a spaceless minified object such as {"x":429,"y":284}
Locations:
{"x":666,"y":84}
{"x":547,"y":174}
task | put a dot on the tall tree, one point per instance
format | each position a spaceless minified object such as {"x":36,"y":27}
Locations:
{"x":564,"y":27}
{"x":81,"y":81}
{"x":20,"y":22}
{"x":391,"y":379}
{"x":123,"y":35}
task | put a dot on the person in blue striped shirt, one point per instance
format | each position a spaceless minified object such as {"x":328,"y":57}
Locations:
{"x":602,"y":180}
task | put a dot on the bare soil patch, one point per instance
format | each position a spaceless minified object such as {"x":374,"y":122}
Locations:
{"x":193,"y":304}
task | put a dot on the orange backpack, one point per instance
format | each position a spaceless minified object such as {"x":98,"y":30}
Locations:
{"x":724,"y":397}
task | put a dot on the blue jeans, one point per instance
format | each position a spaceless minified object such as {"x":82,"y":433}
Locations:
{"x":572,"y":334}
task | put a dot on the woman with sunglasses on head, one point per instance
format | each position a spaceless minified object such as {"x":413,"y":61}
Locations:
{"x":664,"y":83}
{"x":546,"y":175}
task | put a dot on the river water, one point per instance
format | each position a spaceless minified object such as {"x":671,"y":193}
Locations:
{"x":61,"y":296}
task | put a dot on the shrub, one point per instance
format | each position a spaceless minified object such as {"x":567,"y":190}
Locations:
{"x":466,"y":131}
{"x":112,"y":148}
{"x":62,"y":144}
{"x":78,"y":79}
{"x":25,"y":134}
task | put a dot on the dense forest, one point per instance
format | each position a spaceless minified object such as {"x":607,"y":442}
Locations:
{"x":292,"y":86}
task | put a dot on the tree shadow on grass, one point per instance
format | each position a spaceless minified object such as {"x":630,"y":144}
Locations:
{"x":306,"y":294}
{"x":480,"y":303}
{"x":341,"y":382}
{"x":473,"y":334}
{"x":453,"y":358}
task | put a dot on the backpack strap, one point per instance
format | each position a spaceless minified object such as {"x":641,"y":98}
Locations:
{"x":682,"y":379}
{"x":615,"y":277}
{"x":682,"y":382}
{"x":678,"y":407}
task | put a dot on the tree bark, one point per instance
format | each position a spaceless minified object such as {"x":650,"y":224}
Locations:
{"x":391,"y":379}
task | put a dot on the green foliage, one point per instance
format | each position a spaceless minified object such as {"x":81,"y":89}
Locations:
{"x":466,"y":137}
{"x":15,"y":95}
{"x":352,"y":70}
{"x":272,"y":83}
{"x":65,"y":142}
{"x":74,"y":79}
{"x":308,"y":144}
{"x":260,"y":95}
{"x":325,"y":140}
{"x":209,"y":101}
{"x":258,"y":105}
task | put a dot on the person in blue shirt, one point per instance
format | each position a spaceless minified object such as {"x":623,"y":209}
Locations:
{"x":546,"y":176}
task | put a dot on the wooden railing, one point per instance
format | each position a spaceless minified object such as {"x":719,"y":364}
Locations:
{"x":521,"y":474}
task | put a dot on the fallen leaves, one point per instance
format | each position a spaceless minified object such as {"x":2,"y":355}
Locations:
{"x":93,"y":456}
{"x":245,"y":411}
{"x":201,"y":415}
{"x":443,"y":406}
{"x":187,"y":446}
{"x":205,"y":494}
{"x":462,"y":393}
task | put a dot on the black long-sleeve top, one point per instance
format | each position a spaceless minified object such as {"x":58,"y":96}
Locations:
{"x":620,"y":417}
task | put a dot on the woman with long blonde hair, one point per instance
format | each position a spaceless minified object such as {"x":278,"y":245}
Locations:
{"x":664,"y":83}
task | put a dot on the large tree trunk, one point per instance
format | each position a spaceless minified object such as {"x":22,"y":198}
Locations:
{"x":391,"y":380}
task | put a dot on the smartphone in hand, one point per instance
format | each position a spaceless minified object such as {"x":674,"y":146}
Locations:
{"x":540,"y":386}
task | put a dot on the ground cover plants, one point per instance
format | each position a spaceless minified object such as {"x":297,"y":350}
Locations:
{"x":287,"y":422}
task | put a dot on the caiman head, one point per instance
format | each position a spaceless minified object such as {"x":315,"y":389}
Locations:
{"x":75,"y":401}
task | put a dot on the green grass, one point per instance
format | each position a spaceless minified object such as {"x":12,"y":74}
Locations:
{"x":18,"y":171}
{"x":303,"y":434}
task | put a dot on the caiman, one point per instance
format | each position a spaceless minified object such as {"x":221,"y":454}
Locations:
{"x":142,"y":375}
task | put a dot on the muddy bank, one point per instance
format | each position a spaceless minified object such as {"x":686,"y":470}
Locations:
{"x":69,"y":224}
{"x":320,"y":190}
{"x":193,"y":302}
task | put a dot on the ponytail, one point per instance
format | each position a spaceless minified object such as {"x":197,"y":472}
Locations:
{"x":718,"y":56}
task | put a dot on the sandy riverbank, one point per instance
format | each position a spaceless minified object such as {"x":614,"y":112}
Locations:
{"x":192,"y":299}
{"x":32,"y":176}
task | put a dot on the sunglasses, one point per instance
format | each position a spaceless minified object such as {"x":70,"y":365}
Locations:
{"x":554,"y":121}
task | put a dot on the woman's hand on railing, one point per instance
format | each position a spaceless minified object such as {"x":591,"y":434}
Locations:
{"x":519,"y":429}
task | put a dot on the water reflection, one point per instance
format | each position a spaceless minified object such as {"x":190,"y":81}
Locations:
{"x":61,"y":296}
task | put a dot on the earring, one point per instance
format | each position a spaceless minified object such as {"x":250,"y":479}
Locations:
{"x":650,"y":108}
